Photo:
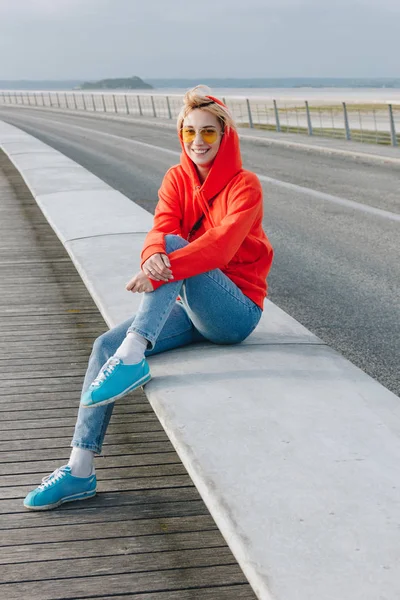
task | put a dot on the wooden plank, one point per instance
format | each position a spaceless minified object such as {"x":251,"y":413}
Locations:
{"x":112,"y":485}
{"x":51,"y":534}
{"x":63,"y":452}
{"x":69,"y":421}
{"x":26,"y":553}
{"x":24,"y":413}
{"x":100,"y":514}
{"x":145,"y":471}
{"x":109,"y":462}
{"x":51,"y":432}
{"x":112,"y":499}
{"x":146,"y":562}
{"x":230,"y":592}
{"x":124,"y":583}
{"x":62,"y":442}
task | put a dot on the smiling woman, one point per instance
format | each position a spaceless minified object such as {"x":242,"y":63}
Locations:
{"x":207,"y":248}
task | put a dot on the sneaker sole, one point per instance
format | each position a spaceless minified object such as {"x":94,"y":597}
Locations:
{"x":83,"y":496}
{"x":134,"y":386}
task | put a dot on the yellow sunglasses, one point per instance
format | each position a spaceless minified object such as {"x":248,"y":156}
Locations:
{"x":208,"y":134}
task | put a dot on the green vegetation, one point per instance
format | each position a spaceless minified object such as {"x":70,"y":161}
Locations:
{"x":127,"y":83}
{"x":357,"y":135}
{"x":338,"y":108}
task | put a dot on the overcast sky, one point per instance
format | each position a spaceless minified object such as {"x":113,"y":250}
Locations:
{"x":94,"y":39}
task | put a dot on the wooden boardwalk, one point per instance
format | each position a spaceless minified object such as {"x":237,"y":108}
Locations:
{"x":147,"y":534}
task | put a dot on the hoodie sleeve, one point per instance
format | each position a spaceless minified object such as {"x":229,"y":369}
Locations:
{"x":167,"y":218}
{"x":218,"y":245}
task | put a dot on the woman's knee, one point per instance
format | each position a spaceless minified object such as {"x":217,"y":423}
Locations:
{"x":174,"y":242}
{"x":102,"y":346}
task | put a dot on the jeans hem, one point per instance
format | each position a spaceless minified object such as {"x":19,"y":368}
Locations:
{"x":146,"y":335}
{"x":83,"y":446}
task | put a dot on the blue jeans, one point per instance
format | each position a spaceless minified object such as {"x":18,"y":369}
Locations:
{"x":211,"y":307}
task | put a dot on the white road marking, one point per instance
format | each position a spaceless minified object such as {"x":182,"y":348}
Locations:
{"x":330,"y":198}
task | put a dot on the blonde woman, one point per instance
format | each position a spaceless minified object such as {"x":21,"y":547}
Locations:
{"x":207,"y":248}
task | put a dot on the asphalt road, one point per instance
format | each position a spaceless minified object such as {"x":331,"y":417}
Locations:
{"x":337,"y":266}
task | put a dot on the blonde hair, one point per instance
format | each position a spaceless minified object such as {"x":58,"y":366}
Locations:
{"x":196,"y":98}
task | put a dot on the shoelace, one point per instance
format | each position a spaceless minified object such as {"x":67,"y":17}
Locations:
{"x":53,"y":477}
{"x":105,"y":371}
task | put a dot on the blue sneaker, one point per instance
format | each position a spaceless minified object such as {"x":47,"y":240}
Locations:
{"x":114,"y":381}
{"x":60,"y":487}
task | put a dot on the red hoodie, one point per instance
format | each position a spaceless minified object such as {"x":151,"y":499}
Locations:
{"x":231,"y":237}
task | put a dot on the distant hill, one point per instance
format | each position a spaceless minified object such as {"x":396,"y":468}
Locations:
{"x":279,"y":82}
{"x":124,"y":83}
{"x":68,"y":84}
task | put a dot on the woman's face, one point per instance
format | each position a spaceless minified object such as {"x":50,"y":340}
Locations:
{"x":200,"y":151}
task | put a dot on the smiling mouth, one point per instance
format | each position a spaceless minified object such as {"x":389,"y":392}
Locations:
{"x":200,"y":152}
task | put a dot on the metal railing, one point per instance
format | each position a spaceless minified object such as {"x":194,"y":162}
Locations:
{"x":373,"y":123}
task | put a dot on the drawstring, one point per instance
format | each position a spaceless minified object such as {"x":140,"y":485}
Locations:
{"x":206,"y":214}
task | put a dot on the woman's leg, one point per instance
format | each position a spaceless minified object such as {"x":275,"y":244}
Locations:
{"x":77,"y":480}
{"x":92,"y":423}
{"x":216,"y":307}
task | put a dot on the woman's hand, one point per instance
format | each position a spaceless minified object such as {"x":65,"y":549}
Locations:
{"x":158,"y":267}
{"x":139,"y":283}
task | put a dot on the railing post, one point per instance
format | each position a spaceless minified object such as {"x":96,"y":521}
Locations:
{"x":115,"y":104}
{"x":309,"y":125}
{"x":140,"y":106}
{"x":249,"y":113}
{"x":126,"y":105}
{"x":154,"y":106}
{"x":392,"y":126}
{"x":169,"y":108}
{"x":346,"y":122}
{"x":104,"y":103}
{"x":93,"y":102}
{"x":58,"y":100}
{"x":50,"y":102}
{"x":75,"y":104}
{"x":35,"y":98}
{"x":84,"y":102}
{"x":278,"y":125}
{"x":66,"y":100}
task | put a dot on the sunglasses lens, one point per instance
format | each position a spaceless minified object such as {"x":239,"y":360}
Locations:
{"x":209,"y":135}
{"x":188,"y":135}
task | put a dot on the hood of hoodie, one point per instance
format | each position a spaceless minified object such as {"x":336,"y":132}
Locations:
{"x":227,"y":163}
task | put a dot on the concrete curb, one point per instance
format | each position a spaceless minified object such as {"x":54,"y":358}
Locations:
{"x":265,"y":141}
{"x":294,"y":450}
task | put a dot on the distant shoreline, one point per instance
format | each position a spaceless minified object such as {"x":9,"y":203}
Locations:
{"x":300,"y":83}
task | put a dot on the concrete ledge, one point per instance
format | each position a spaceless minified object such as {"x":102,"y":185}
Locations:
{"x":295,"y":451}
{"x":82,"y":214}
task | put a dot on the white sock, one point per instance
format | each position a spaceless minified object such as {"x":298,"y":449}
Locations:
{"x":132,"y":349}
{"x":81,"y":462}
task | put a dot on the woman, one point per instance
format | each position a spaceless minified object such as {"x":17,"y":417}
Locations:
{"x":208,"y":249}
